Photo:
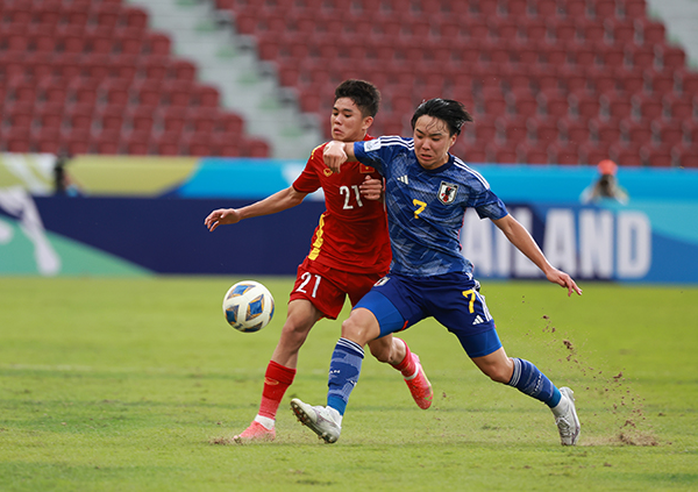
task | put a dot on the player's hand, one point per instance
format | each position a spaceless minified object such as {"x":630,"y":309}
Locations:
{"x":334,"y":155}
{"x":222,"y":216}
{"x":371,"y":188}
{"x":564,"y":280}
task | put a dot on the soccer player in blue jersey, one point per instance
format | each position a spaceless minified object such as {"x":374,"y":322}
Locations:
{"x":427,"y":192}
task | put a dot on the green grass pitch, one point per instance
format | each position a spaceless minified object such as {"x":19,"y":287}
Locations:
{"x":138,"y":384}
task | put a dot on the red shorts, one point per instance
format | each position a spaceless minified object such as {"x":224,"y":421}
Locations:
{"x":327,"y":287}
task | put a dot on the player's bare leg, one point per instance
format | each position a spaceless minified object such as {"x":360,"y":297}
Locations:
{"x":302,"y":316}
{"x":397,"y":353}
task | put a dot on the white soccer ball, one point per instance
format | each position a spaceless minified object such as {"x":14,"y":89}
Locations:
{"x":248,"y":306}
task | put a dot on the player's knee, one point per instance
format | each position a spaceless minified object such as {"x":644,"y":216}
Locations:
{"x":355,"y":330}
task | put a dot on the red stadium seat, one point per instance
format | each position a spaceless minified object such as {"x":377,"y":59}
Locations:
{"x":564,"y":154}
{"x":668,"y":133}
{"x":545,"y":131}
{"x":618,"y":107}
{"x":636,"y":132}
{"x":106,"y":142}
{"x":533,"y":154}
{"x":167,"y":143}
{"x":660,"y":82}
{"x":575,"y":131}
{"x":19,"y":114}
{"x":585,"y":105}
{"x":110,"y":117}
{"x":653,"y":32}
{"x":136,"y":143}
{"x":605,"y":132}
{"x":140,"y":118}
{"x":174,"y":119}
{"x":626,"y":155}
{"x":147,"y":92}
{"x":648,"y":107}
{"x":256,"y":147}
{"x":657,"y":156}
{"x":49,"y":115}
{"x":679,"y":107}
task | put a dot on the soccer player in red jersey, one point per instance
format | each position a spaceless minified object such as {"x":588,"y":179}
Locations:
{"x":350,"y":251}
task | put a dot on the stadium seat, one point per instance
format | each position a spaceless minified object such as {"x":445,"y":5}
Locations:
{"x":688,"y":158}
{"x":545,"y":131}
{"x":564,"y":153}
{"x":173,"y":119}
{"x":653,"y":32}
{"x":533,"y":154}
{"x":606,"y":132}
{"x":622,"y":32}
{"x":230,"y":123}
{"x":575,"y":131}
{"x":107,"y":141}
{"x":660,"y":82}
{"x":585,"y":105}
{"x":115,"y":91}
{"x":46,"y":140}
{"x":147,"y":92}
{"x":167,"y":143}
{"x":110,"y":117}
{"x":626,"y":155}
{"x":140,"y":119}
{"x":648,"y":107}
{"x":503,"y":154}
{"x":657,"y":156}
{"x":636,"y":132}
{"x":679,"y":107}
{"x":19,"y":114}
{"x":688,"y":81}
{"x":668,"y":133}
{"x":49,"y":115}
{"x":634,"y":9}
{"x":616,"y":106}
{"x":76,"y":141}
{"x":513,"y":129}
{"x":17,"y":139}
{"x":136,"y":143}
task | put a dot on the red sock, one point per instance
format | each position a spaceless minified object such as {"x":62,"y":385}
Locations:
{"x":277,"y":379}
{"x":406,"y":367}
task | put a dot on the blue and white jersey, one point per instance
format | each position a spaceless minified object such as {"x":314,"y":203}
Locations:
{"x":426,"y":207}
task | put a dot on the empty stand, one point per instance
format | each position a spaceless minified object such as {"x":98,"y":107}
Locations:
{"x":82,"y":76}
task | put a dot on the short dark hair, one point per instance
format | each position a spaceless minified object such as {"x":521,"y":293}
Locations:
{"x":364,"y":94}
{"x":453,"y":113}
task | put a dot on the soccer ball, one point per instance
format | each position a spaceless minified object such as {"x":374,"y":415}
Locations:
{"x":248,"y":306}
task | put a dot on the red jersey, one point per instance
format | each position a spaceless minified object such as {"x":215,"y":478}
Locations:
{"x":352,"y":234}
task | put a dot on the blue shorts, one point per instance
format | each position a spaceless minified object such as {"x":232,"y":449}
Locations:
{"x":399,"y":302}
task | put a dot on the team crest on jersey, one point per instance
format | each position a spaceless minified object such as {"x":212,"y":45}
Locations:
{"x":327,"y":172}
{"x":447,"y":192}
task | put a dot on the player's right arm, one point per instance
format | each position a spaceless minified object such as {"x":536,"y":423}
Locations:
{"x":278,"y":202}
{"x":337,"y":153}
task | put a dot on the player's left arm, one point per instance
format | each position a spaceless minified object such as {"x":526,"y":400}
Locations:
{"x":524,"y":242}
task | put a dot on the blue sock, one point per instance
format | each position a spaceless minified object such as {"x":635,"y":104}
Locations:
{"x":528,"y":379}
{"x":345,"y":368}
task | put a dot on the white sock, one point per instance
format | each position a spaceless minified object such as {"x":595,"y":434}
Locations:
{"x":265,"y":421}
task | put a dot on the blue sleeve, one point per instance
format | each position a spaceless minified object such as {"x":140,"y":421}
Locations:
{"x":371,"y":156}
{"x":488,"y":205}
